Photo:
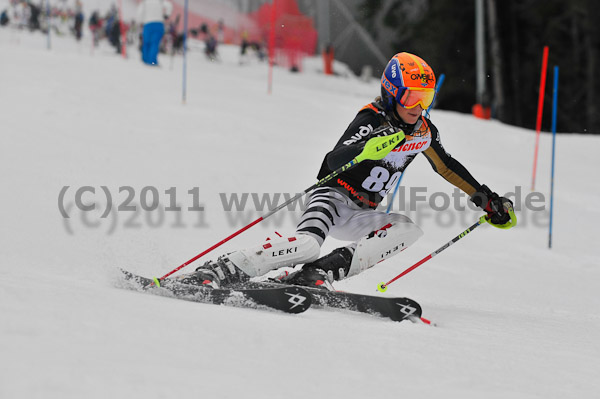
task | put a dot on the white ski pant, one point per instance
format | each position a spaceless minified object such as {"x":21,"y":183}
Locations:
{"x":374,"y":235}
{"x":331,"y":213}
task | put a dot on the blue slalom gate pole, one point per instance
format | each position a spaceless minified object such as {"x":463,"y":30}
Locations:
{"x":437,"y":88}
{"x":439,"y":84}
{"x":185,"y":39}
{"x":389,"y":208}
{"x":554,"y":107}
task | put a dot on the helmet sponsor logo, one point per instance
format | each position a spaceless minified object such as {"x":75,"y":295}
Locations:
{"x":425,"y":78}
{"x":393,"y":90}
{"x":394,"y":71}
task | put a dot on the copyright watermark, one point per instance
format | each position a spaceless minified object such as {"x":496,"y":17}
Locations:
{"x":108,"y":209}
{"x":101,"y":208}
{"x":446,"y":210}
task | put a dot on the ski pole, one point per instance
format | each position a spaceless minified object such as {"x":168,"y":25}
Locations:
{"x":375,"y":149}
{"x":382,"y":287}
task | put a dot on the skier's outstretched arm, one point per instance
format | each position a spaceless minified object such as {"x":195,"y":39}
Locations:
{"x":498,"y":208}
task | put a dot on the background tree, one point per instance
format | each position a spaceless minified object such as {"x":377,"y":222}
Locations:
{"x":443,"y":33}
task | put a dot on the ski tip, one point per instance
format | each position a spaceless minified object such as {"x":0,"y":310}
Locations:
{"x":156,"y":281}
{"x":382,"y":287}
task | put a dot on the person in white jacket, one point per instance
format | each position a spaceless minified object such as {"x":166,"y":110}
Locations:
{"x":152,"y":13}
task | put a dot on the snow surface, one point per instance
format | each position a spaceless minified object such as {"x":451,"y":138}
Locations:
{"x":515,"y":319}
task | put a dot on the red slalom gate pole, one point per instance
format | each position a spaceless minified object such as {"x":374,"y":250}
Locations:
{"x":538,"y":123}
{"x":272,"y":46}
{"x":122,"y":31}
{"x":382,"y":287}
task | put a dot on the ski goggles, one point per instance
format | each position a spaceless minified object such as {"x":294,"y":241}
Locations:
{"x":411,"y":97}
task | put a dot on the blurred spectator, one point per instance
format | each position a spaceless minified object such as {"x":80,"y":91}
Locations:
{"x":21,"y":14}
{"x":174,"y":38}
{"x":221,"y":32}
{"x":78,"y":19}
{"x":34,"y":17}
{"x":133,"y":32}
{"x":204,"y":29}
{"x":244,"y":46}
{"x":113,"y":28}
{"x":210,"y":47}
{"x":151,"y":13}
{"x":4,"y":19}
{"x":247,"y":45}
{"x":95,"y":24}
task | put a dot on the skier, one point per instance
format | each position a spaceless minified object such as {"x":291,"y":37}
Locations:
{"x":79,"y":17}
{"x":345,"y":208}
{"x":151,"y":14}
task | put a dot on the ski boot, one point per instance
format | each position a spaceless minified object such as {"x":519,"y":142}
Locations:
{"x":322,"y":272}
{"x":215,"y":274}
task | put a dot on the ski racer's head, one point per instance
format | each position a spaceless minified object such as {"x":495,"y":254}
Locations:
{"x":407,"y":87}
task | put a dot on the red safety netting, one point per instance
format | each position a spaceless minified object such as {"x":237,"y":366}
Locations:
{"x":232,"y":27}
{"x":295,"y":35}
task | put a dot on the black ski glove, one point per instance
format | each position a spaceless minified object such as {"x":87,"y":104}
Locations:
{"x":493,"y":204}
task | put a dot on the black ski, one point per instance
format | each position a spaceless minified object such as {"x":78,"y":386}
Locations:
{"x":396,"y":309}
{"x":289,"y":299}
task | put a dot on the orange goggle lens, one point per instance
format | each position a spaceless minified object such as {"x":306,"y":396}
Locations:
{"x":412,"y":97}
